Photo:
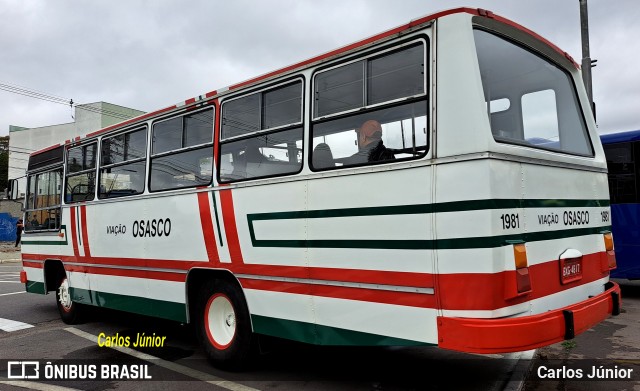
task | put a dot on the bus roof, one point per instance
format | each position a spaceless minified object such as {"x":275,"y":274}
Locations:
{"x":201,"y":99}
{"x":620,"y":137}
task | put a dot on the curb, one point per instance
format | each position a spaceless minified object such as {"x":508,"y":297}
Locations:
{"x":520,"y":370}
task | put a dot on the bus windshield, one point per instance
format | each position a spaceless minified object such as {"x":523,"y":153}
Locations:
{"x":530,"y":101}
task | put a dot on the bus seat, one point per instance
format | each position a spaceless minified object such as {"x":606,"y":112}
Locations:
{"x":322,"y":156}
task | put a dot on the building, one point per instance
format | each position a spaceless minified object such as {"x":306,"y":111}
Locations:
{"x":88,"y":118}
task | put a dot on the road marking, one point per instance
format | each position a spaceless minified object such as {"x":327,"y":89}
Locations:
{"x":36,"y":386}
{"x":12,"y":293}
{"x":193,"y":373}
{"x":13,"y":325}
{"x":13,"y":282}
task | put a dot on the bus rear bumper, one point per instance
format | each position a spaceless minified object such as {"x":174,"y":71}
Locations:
{"x":527,"y":332}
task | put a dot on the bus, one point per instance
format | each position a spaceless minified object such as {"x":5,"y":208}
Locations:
{"x":440,"y":183}
{"x":621,"y":150}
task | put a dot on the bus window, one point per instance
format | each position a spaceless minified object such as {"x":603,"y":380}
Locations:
{"x":122,"y":164}
{"x":182,"y":152}
{"x":261,"y":134}
{"x":43,"y":201}
{"x":539,"y":119}
{"x":399,"y":74}
{"x":543,"y":110}
{"x":403,"y":132}
{"x":382,"y":133}
{"x":81,"y":174}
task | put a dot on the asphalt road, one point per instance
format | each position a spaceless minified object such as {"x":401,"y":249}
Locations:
{"x":282,"y":365}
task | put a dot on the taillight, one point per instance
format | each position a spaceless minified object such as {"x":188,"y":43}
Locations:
{"x":23,"y":277}
{"x":523,"y":282}
{"x":608,"y":247}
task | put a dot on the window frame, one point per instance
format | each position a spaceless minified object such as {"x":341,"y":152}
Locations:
{"x":144,"y":127}
{"x":32,"y":176}
{"x":556,"y":64}
{"x":81,"y":172}
{"x":151,"y":156}
{"x":262,"y":132}
{"x":261,"y":91}
{"x":374,"y":53}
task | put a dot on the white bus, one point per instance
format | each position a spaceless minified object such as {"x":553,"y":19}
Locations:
{"x":441,"y":183}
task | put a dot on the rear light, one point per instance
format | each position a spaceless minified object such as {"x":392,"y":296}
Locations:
{"x":520,"y":255}
{"x":23,"y":277}
{"x":608,"y":241}
{"x":611,"y":255}
{"x":522,"y":283}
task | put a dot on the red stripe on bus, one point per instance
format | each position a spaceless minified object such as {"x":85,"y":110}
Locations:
{"x":154,"y":275}
{"x":229,"y":217}
{"x":469,"y":291}
{"x":85,"y":234}
{"x":409,"y":299}
{"x":207,"y":227}
{"x":456,"y":291}
{"x":392,"y":278}
{"x":74,"y":231}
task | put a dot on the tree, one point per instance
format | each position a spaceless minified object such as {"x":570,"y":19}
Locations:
{"x":4,"y":162}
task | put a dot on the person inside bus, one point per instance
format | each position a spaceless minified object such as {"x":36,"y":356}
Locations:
{"x":370,"y":145}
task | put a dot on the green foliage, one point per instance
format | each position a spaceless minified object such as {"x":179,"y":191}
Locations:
{"x":568,"y":345}
{"x":4,"y":162}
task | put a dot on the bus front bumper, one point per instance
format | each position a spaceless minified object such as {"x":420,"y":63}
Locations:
{"x":527,"y":332}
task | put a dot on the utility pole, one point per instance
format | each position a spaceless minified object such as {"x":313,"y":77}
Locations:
{"x":586,"y":59}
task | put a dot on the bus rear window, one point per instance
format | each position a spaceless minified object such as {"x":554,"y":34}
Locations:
{"x":530,"y":101}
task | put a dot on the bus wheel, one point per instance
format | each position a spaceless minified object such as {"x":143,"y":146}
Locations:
{"x":224,"y":326}
{"x":69,"y":311}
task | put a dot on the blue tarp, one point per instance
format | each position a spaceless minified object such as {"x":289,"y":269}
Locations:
{"x":7,"y":227}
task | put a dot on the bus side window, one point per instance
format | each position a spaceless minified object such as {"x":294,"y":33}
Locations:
{"x":182,"y":152}
{"x":43,"y":208}
{"x":122,"y":164}
{"x":81,"y":175}
{"x":262,"y":134}
{"x":359,"y":119}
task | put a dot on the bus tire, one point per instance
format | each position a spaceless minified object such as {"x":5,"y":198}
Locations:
{"x":70,"y":312}
{"x":224,"y":326}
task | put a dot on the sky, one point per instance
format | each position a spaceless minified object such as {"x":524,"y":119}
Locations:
{"x":148,"y":55}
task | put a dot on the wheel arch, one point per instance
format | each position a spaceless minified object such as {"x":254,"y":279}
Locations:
{"x":196,"y":276}
{"x":53,"y":272}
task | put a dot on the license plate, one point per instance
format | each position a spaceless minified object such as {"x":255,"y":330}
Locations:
{"x":570,"y":270}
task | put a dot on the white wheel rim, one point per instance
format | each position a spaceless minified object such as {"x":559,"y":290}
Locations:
{"x":220,"y":321}
{"x":64,"y":296}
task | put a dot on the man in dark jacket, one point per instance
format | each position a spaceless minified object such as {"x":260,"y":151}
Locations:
{"x":370,"y":146}
{"x":19,"y":228}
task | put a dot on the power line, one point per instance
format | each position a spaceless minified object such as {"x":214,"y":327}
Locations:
{"x":60,"y":100}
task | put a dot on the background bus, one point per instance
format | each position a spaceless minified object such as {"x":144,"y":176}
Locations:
{"x":623,"y":151}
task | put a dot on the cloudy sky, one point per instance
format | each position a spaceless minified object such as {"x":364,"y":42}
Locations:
{"x":148,"y":54}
